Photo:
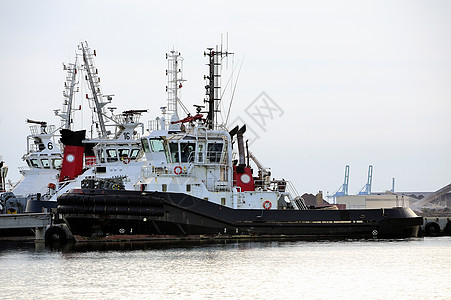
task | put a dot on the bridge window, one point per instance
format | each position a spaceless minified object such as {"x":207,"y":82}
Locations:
{"x":187,"y":151}
{"x":135,"y":153}
{"x":111,"y":155}
{"x":145,"y":144}
{"x":174,"y":148}
{"x":56,"y":163}
{"x":101,"y":155}
{"x":34,"y":163}
{"x":45,"y":163}
{"x":214,"y":152}
{"x":124,"y":152}
{"x":157,"y":145}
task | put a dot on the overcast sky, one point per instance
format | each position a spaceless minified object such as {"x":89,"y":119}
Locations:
{"x":349,"y":82}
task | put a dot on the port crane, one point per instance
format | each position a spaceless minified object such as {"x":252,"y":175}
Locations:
{"x":366,"y":190}
{"x":343,"y":190}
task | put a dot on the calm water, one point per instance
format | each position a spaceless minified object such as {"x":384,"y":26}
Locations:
{"x":401,"y":269}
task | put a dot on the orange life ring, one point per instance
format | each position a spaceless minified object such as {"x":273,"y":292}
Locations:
{"x":178,"y":170}
{"x":125,"y":159}
{"x":267,"y":204}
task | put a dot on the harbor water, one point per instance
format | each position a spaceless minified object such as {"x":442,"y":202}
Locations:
{"x":359,"y":269}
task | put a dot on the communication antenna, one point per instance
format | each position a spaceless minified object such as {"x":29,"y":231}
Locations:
{"x":175,"y":83}
{"x":213,"y":87}
{"x":68,"y":94}
{"x":94,"y":83}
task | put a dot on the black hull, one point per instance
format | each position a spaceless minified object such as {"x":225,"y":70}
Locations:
{"x":100,"y":213}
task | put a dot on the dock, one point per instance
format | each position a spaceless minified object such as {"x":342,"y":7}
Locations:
{"x":38,"y":222}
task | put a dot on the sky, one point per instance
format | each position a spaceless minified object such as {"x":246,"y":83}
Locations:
{"x":320,"y":84}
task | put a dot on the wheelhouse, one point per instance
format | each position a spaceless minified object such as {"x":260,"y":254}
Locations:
{"x":44,"y":162}
{"x":186,"y":149}
{"x":110,"y":153}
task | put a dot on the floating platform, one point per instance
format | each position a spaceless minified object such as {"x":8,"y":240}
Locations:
{"x":26,"y":226}
{"x":38,"y":227}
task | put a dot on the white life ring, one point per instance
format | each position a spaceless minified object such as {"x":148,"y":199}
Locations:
{"x":267,"y":204}
{"x":178,"y":170}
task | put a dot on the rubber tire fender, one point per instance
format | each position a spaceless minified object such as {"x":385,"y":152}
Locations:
{"x":432,"y":229}
{"x":448,"y":228}
{"x":55,"y":234}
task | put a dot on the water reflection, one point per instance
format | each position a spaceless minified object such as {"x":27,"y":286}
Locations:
{"x":234,"y":269}
{"x":240,"y":244}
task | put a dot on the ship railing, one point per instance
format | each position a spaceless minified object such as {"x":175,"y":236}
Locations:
{"x":211,"y":158}
{"x":222,"y":186}
{"x":286,"y":189}
{"x":152,"y":171}
{"x":186,"y":159}
{"x":35,"y":129}
{"x":132,"y":118}
{"x":154,"y":125}
{"x":214,"y":156}
{"x":293,"y":196}
{"x":271,"y":185}
{"x":34,"y":148}
{"x":51,"y":128}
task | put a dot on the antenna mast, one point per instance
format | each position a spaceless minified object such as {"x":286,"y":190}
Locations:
{"x":94,"y":82}
{"x":68,"y":93}
{"x":175,"y":79}
{"x":213,"y":88}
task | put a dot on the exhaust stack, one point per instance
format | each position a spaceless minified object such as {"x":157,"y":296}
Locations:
{"x":73,"y":154}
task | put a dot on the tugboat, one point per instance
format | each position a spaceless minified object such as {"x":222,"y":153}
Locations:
{"x":44,"y":157}
{"x":52,"y":170}
{"x":113,"y":159}
{"x":193,"y":186}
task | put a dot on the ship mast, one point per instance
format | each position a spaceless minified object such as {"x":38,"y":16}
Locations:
{"x":69,"y":90}
{"x":213,"y":88}
{"x":175,"y":80}
{"x":94,"y":83}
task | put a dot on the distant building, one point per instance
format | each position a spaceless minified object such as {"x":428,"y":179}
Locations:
{"x":382,"y":200}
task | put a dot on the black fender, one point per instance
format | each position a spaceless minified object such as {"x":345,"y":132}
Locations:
{"x":55,"y":234}
{"x":432,"y":229}
{"x":448,"y":228}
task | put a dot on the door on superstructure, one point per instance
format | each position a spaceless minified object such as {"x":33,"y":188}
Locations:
{"x":211,"y":178}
